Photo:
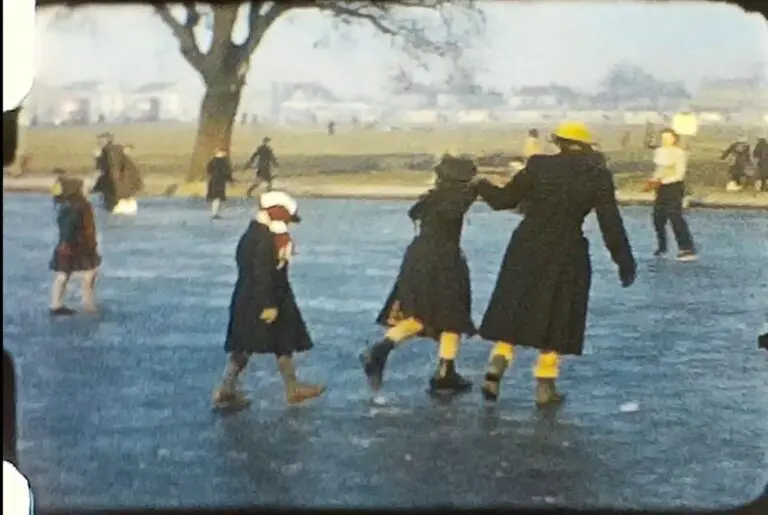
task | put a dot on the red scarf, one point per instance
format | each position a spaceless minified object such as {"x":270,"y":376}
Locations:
{"x":276,"y":219}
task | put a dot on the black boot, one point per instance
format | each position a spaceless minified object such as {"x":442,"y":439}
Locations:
{"x":447,"y":381}
{"x":493,"y":374}
{"x":374,"y":359}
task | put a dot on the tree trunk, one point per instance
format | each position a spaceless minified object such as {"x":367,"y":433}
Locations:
{"x":217,"y":116}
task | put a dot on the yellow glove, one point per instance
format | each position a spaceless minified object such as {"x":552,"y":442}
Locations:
{"x":269,"y":315}
{"x":56,"y":189}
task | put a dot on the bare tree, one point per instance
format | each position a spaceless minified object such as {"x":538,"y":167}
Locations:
{"x":420,"y":28}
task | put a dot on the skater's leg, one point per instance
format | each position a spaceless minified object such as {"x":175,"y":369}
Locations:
{"x":58,"y":292}
{"x":374,"y":359}
{"x":228,"y":395}
{"x":546,"y":371}
{"x":215,"y":206}
{"x":88,"y":289}
{"x":502,"y":355}
{"x":446,"y":379}
{"x":295,"y":391}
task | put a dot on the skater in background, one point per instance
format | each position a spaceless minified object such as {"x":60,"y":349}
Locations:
{"x":266,"y":162}
{"x":107,"y":156}
{"x":760,"y":154}
{"x":76,"y":250}
{"x":532,"y":144}
{"x":432,"y":295}
{"x":541,"y":295}
{"x":219,"y":175}
{"x":128,"y":183}
{"x":263,"y":316}
{"x":739,"y":151}
{"x":668,"y":182}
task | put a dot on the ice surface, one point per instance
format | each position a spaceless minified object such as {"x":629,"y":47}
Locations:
{"x":115,"y":408}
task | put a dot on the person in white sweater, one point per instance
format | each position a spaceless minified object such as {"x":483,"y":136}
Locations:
{"x":669,"y":183}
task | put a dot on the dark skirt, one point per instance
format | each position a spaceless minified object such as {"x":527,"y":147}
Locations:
{"x":247,"y":333}
{"x":217,"y":190}
{"x":77,"y":261}
{"x":433,"y":286}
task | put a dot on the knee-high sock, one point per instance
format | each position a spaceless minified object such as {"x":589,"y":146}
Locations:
{"x":547,"y":366}
{"x":449,"y":346}
{"x":408,"y":328}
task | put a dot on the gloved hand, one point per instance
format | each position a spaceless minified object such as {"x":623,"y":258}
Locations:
{"x":269,"y":315}
{"x":627,"y":275}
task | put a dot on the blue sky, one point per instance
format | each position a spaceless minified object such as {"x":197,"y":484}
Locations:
{"x":525,"y":44}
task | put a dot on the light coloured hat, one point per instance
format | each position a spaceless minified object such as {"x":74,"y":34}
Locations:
{"x":280,"y":199}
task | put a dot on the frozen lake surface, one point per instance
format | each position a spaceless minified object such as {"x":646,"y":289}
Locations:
{"x":114,"y":409}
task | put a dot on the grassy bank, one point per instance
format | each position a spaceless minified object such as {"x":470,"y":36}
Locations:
{"x":359,"y":164}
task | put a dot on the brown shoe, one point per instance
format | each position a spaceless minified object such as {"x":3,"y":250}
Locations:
{"x":303,"y":392}
{"x":230,"y":400}
{"x":547,"y":394}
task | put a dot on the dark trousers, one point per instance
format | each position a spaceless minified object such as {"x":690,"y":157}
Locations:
{"x":261,"y":177}
{"x":668,"y":207}
{"x":737,"y":173}
{"x":762,"y":174}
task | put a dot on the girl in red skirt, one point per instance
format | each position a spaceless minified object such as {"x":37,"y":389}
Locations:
{"x":76,"y":250}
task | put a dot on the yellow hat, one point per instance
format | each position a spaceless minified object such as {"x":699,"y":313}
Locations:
{"x":574,"y":131}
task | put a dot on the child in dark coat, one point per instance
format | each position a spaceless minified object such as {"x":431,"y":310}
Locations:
{"x":264,"y":317}
{"x":77,"y":249}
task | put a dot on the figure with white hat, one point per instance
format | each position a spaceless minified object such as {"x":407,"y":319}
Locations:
{"x":432,"y":296}
{"x":739,"y":151}
{"x":264,"y":317}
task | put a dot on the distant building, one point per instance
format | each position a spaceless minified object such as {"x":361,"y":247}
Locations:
{"x":153,"y":102}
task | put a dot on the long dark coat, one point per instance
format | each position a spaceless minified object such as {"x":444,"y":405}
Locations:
{"x":260,"y":284}
{"x":433,"y":285}
{"x":77,"y":229}
{"x":542,"y":291}
{"x":119,"y":178}
{"x":219,"y":174}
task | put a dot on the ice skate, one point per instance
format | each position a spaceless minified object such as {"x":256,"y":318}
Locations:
{"x":303,"y":392}
{"x":493,"y":374}
{"x":62,"y":311}
{"x":230,"y":400}
{"x":374,"y":360}
{"x":447,"y":381}
{"x":547,"y":394}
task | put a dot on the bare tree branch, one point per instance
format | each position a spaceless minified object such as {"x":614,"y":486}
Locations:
{"x":185,"y":33}
{"x":259,"y":22}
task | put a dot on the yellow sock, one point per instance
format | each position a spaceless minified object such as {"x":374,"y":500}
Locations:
{"x":547,"y":366}
{"x":449,"y":346}
{"x":503,"y":349}
{"x":403,"y":330}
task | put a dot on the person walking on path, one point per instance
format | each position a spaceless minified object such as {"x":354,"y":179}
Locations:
{"x":219,"y":171}
{"x":265,"y":161}
{"x":541,"y":295}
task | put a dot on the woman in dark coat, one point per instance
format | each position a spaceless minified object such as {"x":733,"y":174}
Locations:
{"x":432,"y":295}
{"x":263,"y":315}
{"x":541,"y":294}
{"x":77,"y":249}
{"x":219,"y":174}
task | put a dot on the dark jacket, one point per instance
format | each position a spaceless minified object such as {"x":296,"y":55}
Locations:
{"x":219,"y":172}
{"x":433,"y":284}
{"x":265,"y":160}
{"x":541,"y":295}
{"x":77,"y":248}
{"x":260,"y":285}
